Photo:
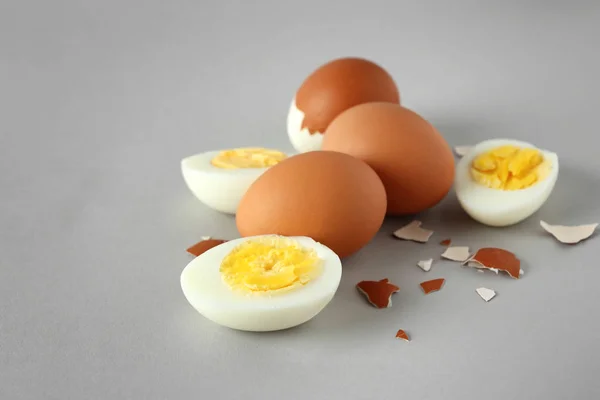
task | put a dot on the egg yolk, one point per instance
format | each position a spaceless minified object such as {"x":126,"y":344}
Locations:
{"x":269,"y":264}
{"x":247,"y":158}
{"x":509,"y":168}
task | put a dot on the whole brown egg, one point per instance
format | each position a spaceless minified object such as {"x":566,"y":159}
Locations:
{"x":331,"y":197}
{"x":414,"y":162}
{"x":330,"y":89}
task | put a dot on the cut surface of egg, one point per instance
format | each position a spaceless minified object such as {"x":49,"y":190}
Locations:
{"x":262,"y":283}
{"x":501,"y":182}
{"x":220,"y":178}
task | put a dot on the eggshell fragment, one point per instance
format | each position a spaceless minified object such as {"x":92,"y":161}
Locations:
{"x":433,"y":285}
{"x":485,"y":293}
{"x":378,"y":293}
{"x":457,"y":253}
{"x":425,"y":265}
{"x":446,"y":242}
{"x":496,"y":260}
{"x":569,"y":234}
{"x":462,"y":151}
{"x":414,"y":232}
{"x":204,"y":245}
{"x":402,"y":335}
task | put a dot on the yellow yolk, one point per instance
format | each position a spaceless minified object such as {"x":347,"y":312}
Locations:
{"x":509,"y":168}
{"x":269,"y":264}
{"x":247,"y":158}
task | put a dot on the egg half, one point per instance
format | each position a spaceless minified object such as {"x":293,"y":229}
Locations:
{"x":262,"y":283}
{"x":220,"y":178}
{"x":501,"y":182}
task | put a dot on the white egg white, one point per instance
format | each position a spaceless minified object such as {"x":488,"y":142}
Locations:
{"x":495,"y":207}
{"x":206,"y":291}
{"x":219,"y":188}
{"x":302,"y":140}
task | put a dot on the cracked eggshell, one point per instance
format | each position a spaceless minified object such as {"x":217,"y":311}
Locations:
{"x":496,"y":207}
{"x":218,"y":188}
{"x":326,"y":92}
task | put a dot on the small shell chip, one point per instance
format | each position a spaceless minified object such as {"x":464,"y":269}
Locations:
{"x":457,"y":253}
{"x":462,"y":151}
{"x":402,"y":335}
{"x":425,"y":265}
{"x":485,"y":293}
{"x":433,"y":285}
{"x":414,"y":232}
{"x":378,"y":293}
{"x":203,"y":246}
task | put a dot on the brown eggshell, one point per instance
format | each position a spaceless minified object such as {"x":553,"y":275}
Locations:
{"x":331,"y":197}
{"x":413,"y":160}
{"x":339,"y":85}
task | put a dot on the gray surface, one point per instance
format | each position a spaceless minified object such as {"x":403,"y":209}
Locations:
{"x":100,"y":100}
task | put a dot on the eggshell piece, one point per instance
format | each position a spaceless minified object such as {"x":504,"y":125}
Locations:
{"x":433,"y":285}
{"x":204,"y":245}
{"x":485,"y":293}
{"x":498,"y":260}
{"x":413,"y":160}
{"x":462,"y":151}
{"x":413,"y":232}
{"x":570,"y":234}
{"x":425,"y":265}
{"x":331,"y":197}
{"x":378,"y":293}
{"x":456,"y":253}
{"x":331,"y":89}
{"x":402,"y":335}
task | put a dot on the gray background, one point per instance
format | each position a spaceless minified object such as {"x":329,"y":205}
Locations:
{"x":99,"y":101}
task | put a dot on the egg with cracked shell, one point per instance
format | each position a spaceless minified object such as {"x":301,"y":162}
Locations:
{"x":262,"y":283}
{"x":330,"y":89}
{"x":220,"y":178}
{"x":501,"y":182}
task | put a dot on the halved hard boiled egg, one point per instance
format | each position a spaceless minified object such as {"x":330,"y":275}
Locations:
{"x":501,"y":182}
{"x":262,"y":283}
{"x":219,"y":179}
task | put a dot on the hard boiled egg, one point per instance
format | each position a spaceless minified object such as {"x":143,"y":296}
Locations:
{"x":219,"y":179}
{"x":331,"y":89}
{"x":262,"y":283}
{"x":501,"y":182}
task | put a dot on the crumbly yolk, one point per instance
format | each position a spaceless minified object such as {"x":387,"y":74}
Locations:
{"x":250,"y":157}
{"x":510,"y":168}
{"x":269,"y":264}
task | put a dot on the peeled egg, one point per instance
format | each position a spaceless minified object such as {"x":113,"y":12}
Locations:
{"x":220,"y":178}
{"x":331,"y":197}
{"x":501,"y":182}
{"x":331,"y":89}
{"x":414,"y":162}
{"x":262,"y":283}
